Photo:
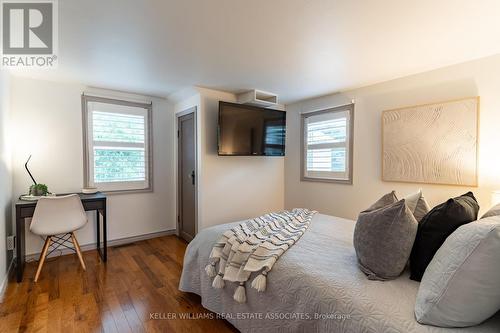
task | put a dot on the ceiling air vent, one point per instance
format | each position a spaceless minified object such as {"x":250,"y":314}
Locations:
{"x":258,"y":98}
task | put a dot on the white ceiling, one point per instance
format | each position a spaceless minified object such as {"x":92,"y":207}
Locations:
{"x":295,"y":48}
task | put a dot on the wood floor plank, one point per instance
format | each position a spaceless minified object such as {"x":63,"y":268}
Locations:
{"x":41,"y":315}
{"x":55,"y":314}
{"x":10,"y":322}
{"x":135,"y":291}
{"x":130,"y":314}
{"x":147,"y":271}
{"x":108,"y":322}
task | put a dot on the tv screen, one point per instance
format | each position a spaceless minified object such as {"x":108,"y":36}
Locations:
{"x":246,"y":130}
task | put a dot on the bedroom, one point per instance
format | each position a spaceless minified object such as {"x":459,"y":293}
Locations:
{"x":176,"y":61}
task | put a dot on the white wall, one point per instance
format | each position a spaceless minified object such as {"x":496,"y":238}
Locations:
{"x":230,"y":188}
{"x":480,"y":77}
{"x":5,"y":178}
{"x":47,"y":123}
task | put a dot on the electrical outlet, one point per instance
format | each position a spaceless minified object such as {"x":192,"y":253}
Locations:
{"x":11,"y":244}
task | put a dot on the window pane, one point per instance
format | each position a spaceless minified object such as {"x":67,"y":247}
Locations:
{"x":327,"y":131}
{"x":115,"y":127}
{"x":328,"y":159}
{"x":119,"y":164}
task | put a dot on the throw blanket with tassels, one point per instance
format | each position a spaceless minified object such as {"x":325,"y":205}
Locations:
{"x":254,"y":246}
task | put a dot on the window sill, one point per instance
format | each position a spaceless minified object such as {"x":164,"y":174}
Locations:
{"x":146,"y":190}
{"x":327,"y":180}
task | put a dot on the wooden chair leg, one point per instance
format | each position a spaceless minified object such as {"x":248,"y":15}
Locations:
{"x":78,"y":251}
{"x":42,"y":257}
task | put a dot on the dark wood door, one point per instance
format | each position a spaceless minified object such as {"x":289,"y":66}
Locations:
{"x":187,"y":176}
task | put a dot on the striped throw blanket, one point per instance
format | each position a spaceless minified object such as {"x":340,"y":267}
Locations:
{"x":254,"y":246}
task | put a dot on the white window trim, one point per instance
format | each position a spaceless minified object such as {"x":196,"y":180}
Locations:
{"x":322,"y":176}
{"x":88,"y":162}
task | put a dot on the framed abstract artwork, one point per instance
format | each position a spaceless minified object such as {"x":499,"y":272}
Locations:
{"x":433,"y":143}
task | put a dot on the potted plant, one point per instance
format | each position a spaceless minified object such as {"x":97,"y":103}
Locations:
{"x":39,"y":190}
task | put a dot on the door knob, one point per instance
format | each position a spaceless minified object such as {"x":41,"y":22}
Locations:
{"x":192,"y":176}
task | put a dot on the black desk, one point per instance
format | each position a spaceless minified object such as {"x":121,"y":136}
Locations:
{"x":26,"y":209}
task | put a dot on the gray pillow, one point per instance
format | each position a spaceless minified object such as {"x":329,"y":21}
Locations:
{"x":383,"y":239}
{"x":386,"y":199}
{"x":460,"y":287}
{"x":494,"y":211}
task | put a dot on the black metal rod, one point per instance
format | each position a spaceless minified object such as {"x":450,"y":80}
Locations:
{"x":29,"y":173}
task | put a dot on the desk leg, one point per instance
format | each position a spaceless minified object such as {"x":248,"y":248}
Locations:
{"x":104,"y":234}
{"x":103,"y":252}
{"x":20,"y":250}
{"x":98,"y":230}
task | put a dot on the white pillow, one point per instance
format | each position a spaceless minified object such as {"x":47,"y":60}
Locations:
{"x":461,"y":285}
{"x":494,"y":211}
{"x":417,"y":204}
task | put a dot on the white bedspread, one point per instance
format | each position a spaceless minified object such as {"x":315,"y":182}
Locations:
{"x":315,"y":286}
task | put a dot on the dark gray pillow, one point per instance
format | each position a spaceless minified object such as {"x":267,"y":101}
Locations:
{"x":494,"y":211}
{"x":383,"y":239}
{"x":436,"y":226}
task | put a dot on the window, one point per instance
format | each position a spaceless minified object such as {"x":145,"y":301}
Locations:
{"x":327,"y":144}
{"x":117,"y":144}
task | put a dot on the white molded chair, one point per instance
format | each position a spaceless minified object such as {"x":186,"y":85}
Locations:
{"x":56,"y":216}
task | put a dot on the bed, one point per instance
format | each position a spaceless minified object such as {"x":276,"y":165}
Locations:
{"x":315,"y":286}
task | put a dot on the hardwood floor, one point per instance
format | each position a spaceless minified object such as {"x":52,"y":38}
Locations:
{"x":139,"y":281}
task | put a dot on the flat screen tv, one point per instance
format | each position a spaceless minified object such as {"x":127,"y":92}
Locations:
{"x":246,"y":130}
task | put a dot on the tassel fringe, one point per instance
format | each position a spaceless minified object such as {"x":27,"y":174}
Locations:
{"x":240,"y":293}
{"x":210,"y":269}
{"x":218,"y":282}
{"x":259,"y":282}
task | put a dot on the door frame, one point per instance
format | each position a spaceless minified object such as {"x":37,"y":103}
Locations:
{"x":178,"y":217}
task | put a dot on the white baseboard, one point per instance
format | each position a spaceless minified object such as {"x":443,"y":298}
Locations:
{"x":5,"y":280}
{"x":111,"y":243}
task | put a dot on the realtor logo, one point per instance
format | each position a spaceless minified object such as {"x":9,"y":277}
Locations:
{"x":29,"y":33}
